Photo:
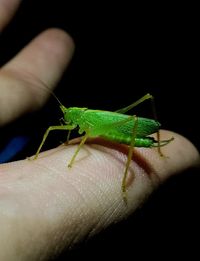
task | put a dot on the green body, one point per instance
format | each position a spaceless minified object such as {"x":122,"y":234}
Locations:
{"x":113,"y":126}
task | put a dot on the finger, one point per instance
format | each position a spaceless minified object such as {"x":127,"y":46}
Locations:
{"x":175,"y":158}
{"x":58,"y":206}
{"x":40,"y":63}
{"x":7,"y":10}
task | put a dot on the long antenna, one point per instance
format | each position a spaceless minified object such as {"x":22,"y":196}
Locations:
{"x":43,"y":84}
{"x":62,"y":107}
{"x":53,"y":94}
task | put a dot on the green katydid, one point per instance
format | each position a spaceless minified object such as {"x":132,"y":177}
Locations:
{"x":114,"y":126}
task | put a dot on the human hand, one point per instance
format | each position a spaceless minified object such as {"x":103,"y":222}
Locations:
{"x":44,"y":206}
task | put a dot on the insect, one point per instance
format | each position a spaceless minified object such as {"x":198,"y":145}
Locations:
{"x":114,"y":126}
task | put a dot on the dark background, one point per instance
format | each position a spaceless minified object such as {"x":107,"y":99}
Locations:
{"x":123,"y":52}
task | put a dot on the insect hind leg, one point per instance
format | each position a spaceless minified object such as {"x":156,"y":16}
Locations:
{"x":136,"y":103}
{"x":141,"y":100}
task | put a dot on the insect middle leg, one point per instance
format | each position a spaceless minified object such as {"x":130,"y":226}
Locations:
{"x":51,"y":128}
{"x":77,"y":150}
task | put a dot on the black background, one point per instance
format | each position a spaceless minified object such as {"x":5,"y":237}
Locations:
{"x":122,"y":52}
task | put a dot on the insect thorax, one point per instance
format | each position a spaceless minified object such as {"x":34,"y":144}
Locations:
{"x":73,"y":115}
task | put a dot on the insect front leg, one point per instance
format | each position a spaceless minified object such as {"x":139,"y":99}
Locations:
{"x":62,"y":127}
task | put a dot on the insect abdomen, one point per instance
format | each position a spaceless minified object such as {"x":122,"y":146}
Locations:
{"x":139,"y":142}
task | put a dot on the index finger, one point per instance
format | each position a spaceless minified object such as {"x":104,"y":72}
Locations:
{"x":44,"y":197}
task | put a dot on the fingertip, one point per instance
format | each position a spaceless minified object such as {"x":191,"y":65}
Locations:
{"x":59,"y":36}
{"x":178,"y":155}
{"x":42,"y":62}
{"x":7,"y":10}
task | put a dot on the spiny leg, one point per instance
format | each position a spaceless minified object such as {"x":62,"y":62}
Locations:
{"x":62,"y":127}
{"x":129,"y":158}
{"x":77,"y":150}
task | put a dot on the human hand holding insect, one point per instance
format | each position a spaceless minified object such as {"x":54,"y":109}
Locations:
{"x":43,"y":196}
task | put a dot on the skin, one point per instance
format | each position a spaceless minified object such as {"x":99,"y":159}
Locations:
{"x":46,"y":207}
